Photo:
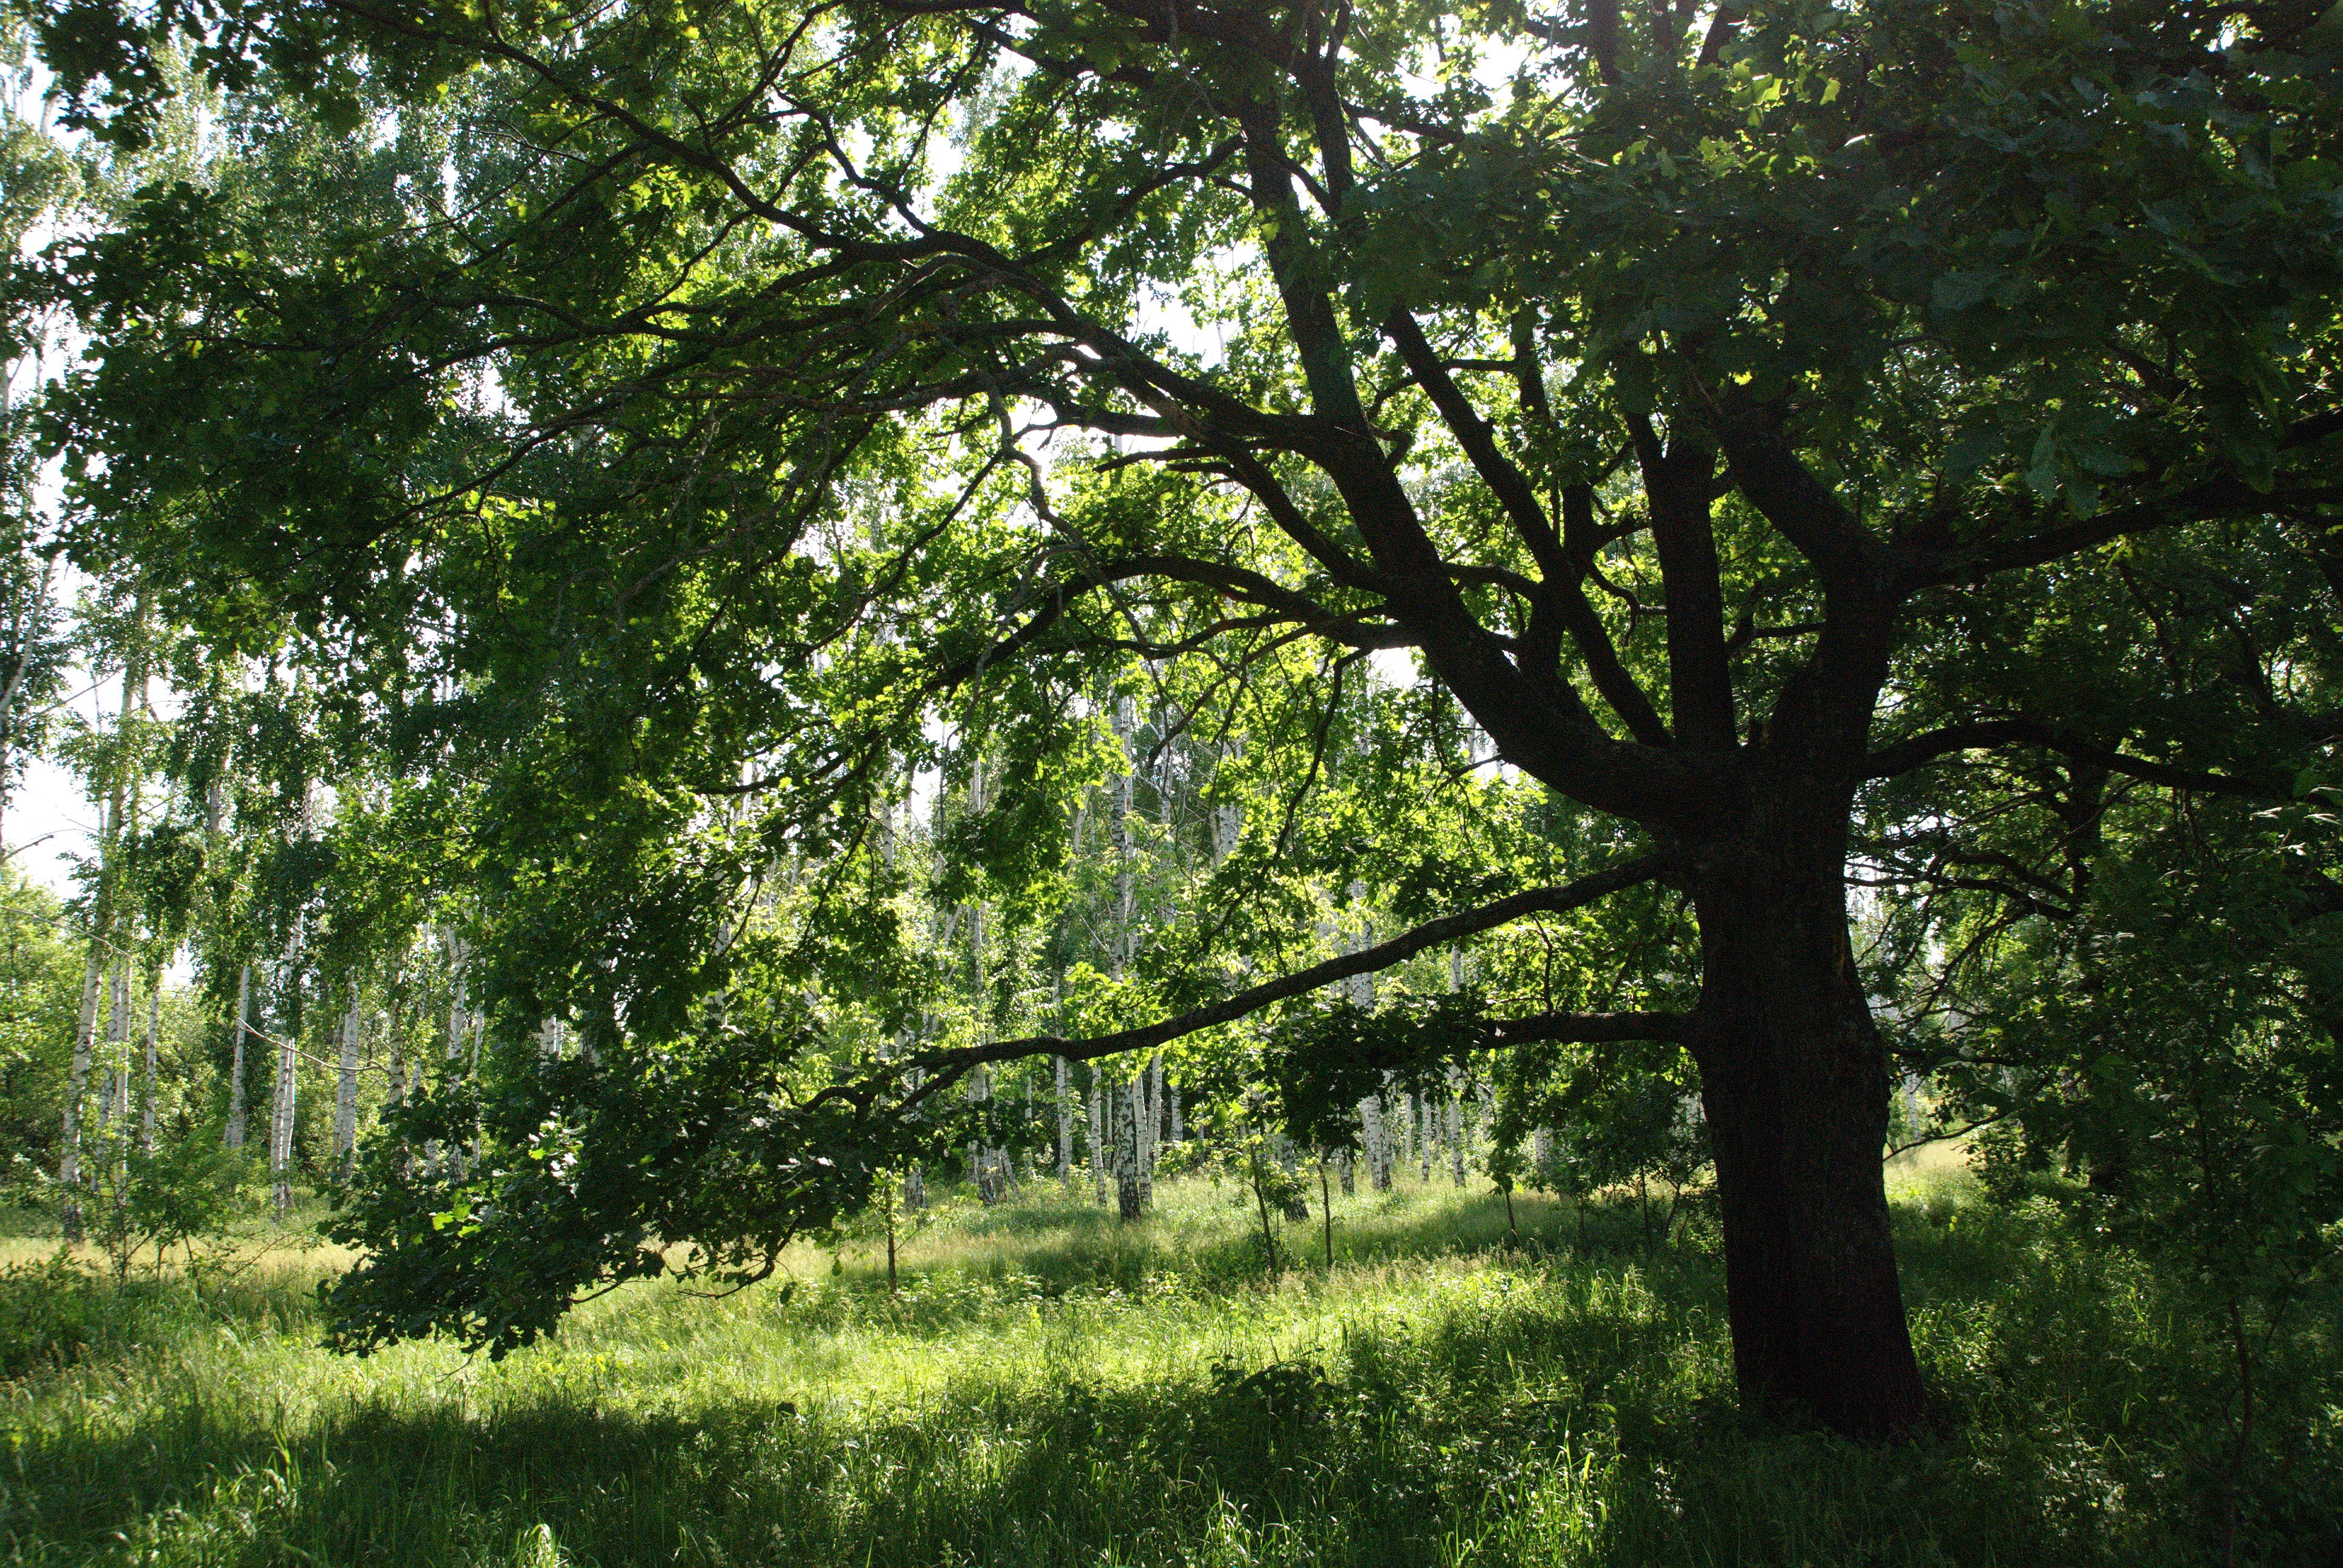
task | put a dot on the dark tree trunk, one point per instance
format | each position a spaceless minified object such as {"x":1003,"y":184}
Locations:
{"x":1794,"y":1084}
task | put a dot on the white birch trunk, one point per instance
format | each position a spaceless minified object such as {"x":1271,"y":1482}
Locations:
{"x":234,"y":1133}
{"x":117,"y":1078}
{"x":283,"y":1105}
{"x":1150,"y":1125}
{"x":77,"y":1087}
{"x":457,"y":955}
{"x":1095,"y":1130}
{"x":101,"y":941}
{"x":1456,"y":1127}
{"x":154,"y":1029}
{"x":1375,"y":1142}
{"x":280,"y":1129}
{"x":1065,"y":1124}
{"x":1228,"y":821}
{"x":395,"y":1063}
{"x":1126,"y":1151}
{"x":346,"y":1091}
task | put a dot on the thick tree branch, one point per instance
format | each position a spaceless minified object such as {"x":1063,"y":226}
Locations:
{"x":1383,"y":955}
{"x":1564,"y":598}
{"x":1700,"y":675}
{"x":2223,"y":496}
{"x":1801,"y":508}
{"x":1918,"y":751}
{"x":1588,"y":1028}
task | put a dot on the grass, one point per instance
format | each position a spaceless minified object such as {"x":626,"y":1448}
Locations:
{"x":1053,"y":1388}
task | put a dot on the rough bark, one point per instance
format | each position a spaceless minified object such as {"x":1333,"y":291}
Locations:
{"x":1126,"y":1152}
{"x":1095,"y":1130}
{"x":1150,"y":1109}
{"x":1794,"y":1084}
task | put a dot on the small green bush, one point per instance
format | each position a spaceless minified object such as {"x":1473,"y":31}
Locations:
{"x":51,"y":1311}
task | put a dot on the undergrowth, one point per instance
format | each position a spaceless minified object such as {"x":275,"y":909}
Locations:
{"x":1049,"y":1388}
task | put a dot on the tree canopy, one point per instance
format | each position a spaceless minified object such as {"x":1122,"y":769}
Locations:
{"x":1633,"y":470}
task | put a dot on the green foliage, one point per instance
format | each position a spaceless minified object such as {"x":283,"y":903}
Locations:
{"x":1577,"y":1120}
{"x":1322,"y":1063}
{"x":1905,"y":430}
{"x":50,"y":1311}
{"x":188,"y":1189}
{"x":40,"y":979}
{"x":582,"y":1175}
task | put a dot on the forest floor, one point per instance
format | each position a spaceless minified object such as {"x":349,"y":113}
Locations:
{"x":1051,"y":1388}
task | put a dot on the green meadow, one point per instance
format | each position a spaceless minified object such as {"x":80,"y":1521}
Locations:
{"x":1047,"y":1386}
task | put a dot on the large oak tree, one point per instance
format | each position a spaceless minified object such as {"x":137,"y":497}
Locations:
{"x":1730,"y":407}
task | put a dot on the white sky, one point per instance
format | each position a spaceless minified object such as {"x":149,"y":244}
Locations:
{"x":51,"y":826}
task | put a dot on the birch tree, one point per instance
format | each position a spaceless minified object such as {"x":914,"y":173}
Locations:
{"x":233,"y":1132}
{"x":114,"y":765}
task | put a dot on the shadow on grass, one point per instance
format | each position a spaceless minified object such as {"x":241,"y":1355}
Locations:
{"x":1544,"y":1409}
{"x":1562,"y":1412}
{"x":1379,"y":1458}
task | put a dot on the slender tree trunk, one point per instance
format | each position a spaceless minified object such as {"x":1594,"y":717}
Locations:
{"x":346,"y":1091}
{"x":395,"y":1064}
{"x":1455,"y":1114}
{"x":77,"y":1087}
{"x":101,"y":941}
{"x":118,"y":1079}
{"x":1149,"y":1108}
{"x":1126,"y":1152}
{"x":281,"y":1108}
{"x":1326,"y":1211}
{"x":154,"y":1029}
{"x":1065,"y":1123}
{"x":234,"y":1135}
{"x":1097,"y":1132}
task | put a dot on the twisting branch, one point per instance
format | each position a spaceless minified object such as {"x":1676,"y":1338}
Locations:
{"x":2223,"y":496}
{"x":1920,"y":750}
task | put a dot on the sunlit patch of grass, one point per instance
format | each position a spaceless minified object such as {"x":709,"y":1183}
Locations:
{"x":1049,"y":1387}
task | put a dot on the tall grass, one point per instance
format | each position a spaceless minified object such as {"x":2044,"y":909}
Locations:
{"x":1049,"y":1387}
